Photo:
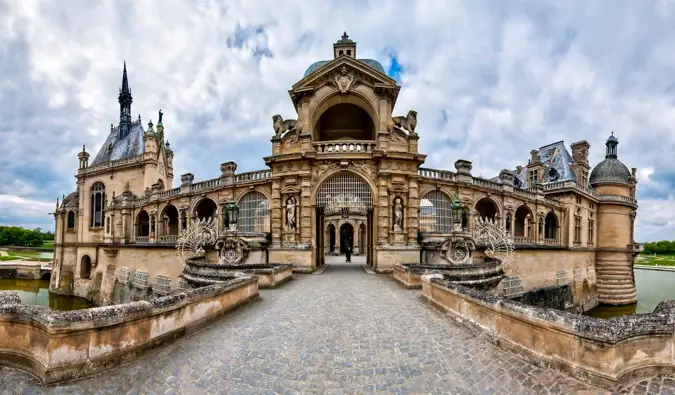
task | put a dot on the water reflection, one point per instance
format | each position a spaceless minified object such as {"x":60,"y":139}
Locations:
{"x":653,"y":287}
{"x":36,"y":292}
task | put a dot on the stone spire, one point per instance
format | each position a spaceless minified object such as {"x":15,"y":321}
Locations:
{"x":125,"y":101}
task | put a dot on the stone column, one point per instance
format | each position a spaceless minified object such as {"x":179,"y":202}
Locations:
{"x":412,"y":208}
{"x":383,"y":209}
{"x":277,"y":208}
{"x":305,"y":220}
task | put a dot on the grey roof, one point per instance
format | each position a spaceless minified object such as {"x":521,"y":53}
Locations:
{"x":317,"y":65}
{"x":557,"y":161}
{"x":71,"y":200}
{"x":610,"y":170}
{"x":115,"y":148}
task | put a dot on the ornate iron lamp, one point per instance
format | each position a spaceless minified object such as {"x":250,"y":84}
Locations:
{"x":232,"y":215}
{"x":457,"y":208}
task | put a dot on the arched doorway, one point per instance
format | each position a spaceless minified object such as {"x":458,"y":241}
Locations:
{"x":346,"y":237}
{"x":206,"y":208}
{"x":331,"y":238}
{"x":143,"y":224}
{"x":346,"y":194}
{"x":169,"y":221}
{"x":486,"y":208}
{"x":85,"y":267}
{"x":523,"y":222}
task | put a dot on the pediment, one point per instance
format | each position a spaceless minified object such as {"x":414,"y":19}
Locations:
{"x":340,"y":72}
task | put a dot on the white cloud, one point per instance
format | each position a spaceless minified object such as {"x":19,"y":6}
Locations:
{"x":491,"y":80}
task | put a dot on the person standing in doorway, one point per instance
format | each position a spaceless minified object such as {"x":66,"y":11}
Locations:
{"x":348,"y":250}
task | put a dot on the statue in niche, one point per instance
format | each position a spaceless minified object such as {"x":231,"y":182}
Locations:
{"x":398,"y":213}
{"x":291,"y":205}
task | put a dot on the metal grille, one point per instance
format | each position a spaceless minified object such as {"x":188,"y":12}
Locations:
{"x":254,"y":213}
{"x":161,"y":285}
{"x":435,"y":213}
{"x":344,"y":190}
{"x":123,"y":277}
{"x":561,"y":277}
{"x":141,"y":279}
{"x":513,"y":286}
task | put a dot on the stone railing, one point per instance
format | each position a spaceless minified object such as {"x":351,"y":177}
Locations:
{"x":208,"y":184}
{"x":253,"y":175}
{"x":142,"y":239}
{"x":436,"y":174}
{"x":568,"y":185}
{"x":617,"y":198}
{"x":111,"y":164}
{"x":483,"y":183}
{"x":169,"y":193}
{"x":103,"y":337}
{"x":142,"y":201}
{"x":523,"y":240}
{"x":525,"y":193}
{"x":168,"y":239}
{"x":356,"y":147}
{"x":604,"y":352}
{"x":553,"y":242}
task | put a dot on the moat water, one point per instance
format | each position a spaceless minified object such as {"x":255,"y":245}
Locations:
{"x":653,"y":287}
{"x":36,"y":292}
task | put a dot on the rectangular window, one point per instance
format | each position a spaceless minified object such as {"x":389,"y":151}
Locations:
{"x":578,"y":199}
{"x":533,"y":178}
{"x":591,"y":225}
{"x":577,"y":229}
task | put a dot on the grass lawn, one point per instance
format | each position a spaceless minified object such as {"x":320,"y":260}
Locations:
{"x":655,"y":260}
{"x":48,"y":244}
{"x":30,"y":255}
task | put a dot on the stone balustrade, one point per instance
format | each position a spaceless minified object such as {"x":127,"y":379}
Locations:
{"x":169,"y":193}
{"x":111,"y":164}
{"x":523,"y":240}
{"x":56,"y":345}
{"x":142,"y":239}
{"x":253,"y":175}
{"x":437,"y":174}
{"x":618,"y":199}
{"x":483,"y":183}
{"x":355,"y":147}
{"x":553,"y":242}
{"x":525,"y":193}
{"x":168,"y":239}
{"x":568,"y":185}
{"x":208,"y":184}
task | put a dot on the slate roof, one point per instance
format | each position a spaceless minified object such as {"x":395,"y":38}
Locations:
{"x":115,"y":148}
{"x":557,"y":162}
{"x":317,"y":65}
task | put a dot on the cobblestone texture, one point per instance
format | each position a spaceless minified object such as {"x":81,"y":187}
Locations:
{"x":340,"y":332}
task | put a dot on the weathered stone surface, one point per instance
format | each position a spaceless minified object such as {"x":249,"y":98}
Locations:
{"x":340,"y":332}
{"x":9,"y":297}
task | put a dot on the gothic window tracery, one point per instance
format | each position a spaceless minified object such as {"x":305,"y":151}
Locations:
{"x":97,"y":204}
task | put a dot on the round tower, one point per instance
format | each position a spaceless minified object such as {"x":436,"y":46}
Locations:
{"x":615,"y":186}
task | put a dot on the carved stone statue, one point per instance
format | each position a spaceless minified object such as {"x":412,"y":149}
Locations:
{"x":291,"y":205}
{"x":407,"y":123}
{"x":398,"y":214}
{"x":160,"y":115}
{"x":281,"y":125}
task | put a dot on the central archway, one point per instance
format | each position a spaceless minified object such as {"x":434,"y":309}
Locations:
{"x":341,"y":195}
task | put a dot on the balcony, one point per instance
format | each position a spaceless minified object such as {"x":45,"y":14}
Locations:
{"x":522,"y":240}
{"x":167,"y":239}
{"x":345,"y":147}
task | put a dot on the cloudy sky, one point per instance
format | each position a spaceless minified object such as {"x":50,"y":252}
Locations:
{"x":490,"y":80}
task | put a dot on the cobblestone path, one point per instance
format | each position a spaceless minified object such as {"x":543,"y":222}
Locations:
{"x":343,"y":331}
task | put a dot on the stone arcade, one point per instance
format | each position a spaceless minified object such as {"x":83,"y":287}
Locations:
{"x":345,"y":172}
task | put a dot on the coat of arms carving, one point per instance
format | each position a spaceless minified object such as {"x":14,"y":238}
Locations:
{"x":345,"y":80}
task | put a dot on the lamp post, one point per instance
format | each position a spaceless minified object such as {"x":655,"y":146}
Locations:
{"x":232,"y":215}
{"x":456,"y":207}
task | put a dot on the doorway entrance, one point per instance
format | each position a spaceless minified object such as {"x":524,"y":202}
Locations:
{"x":342,"y":196}
{"x":346,"y":237}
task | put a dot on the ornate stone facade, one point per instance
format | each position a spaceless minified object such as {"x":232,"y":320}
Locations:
{"x":346,"y":159}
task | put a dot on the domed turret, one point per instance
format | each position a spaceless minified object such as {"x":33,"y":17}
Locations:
{"x":610,"y":170}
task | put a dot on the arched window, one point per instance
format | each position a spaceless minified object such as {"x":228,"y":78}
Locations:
{"x":97,"y":205}
{"x":206,"y":208}
{"x":486,"y":208}
{"x":254,"y":213}
{"x":523,"y":225}
{"x":551,"y":227}
{"x":71,"y":220}
{"x":143,"y":224}
{"x":435,"y":213}
{"x":85,"y":267}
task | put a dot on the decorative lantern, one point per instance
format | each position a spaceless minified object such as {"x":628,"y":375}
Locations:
{"x":232,"y":215}
{"x":457,"y":209}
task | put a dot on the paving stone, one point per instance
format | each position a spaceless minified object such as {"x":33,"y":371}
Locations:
{"x":341,"y":332}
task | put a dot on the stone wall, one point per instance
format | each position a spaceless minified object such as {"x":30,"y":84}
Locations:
{"x":57,"y":346}
{"x":603,"y":352}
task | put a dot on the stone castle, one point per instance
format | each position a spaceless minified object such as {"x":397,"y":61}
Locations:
{"x":345,"y":173}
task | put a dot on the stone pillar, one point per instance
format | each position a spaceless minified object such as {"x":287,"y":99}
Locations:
{"x":305,"y":220}
{"x":383,"y":209}
{"x":277,"y":208}
{"x":411,"y":220}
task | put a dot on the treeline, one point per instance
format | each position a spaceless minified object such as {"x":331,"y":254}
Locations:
{"x":660,"y":247}
{"x":18,"y":236}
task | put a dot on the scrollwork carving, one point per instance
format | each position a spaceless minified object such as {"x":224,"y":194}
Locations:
{"x":201,"y":233}
{"x":232,"y":250}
